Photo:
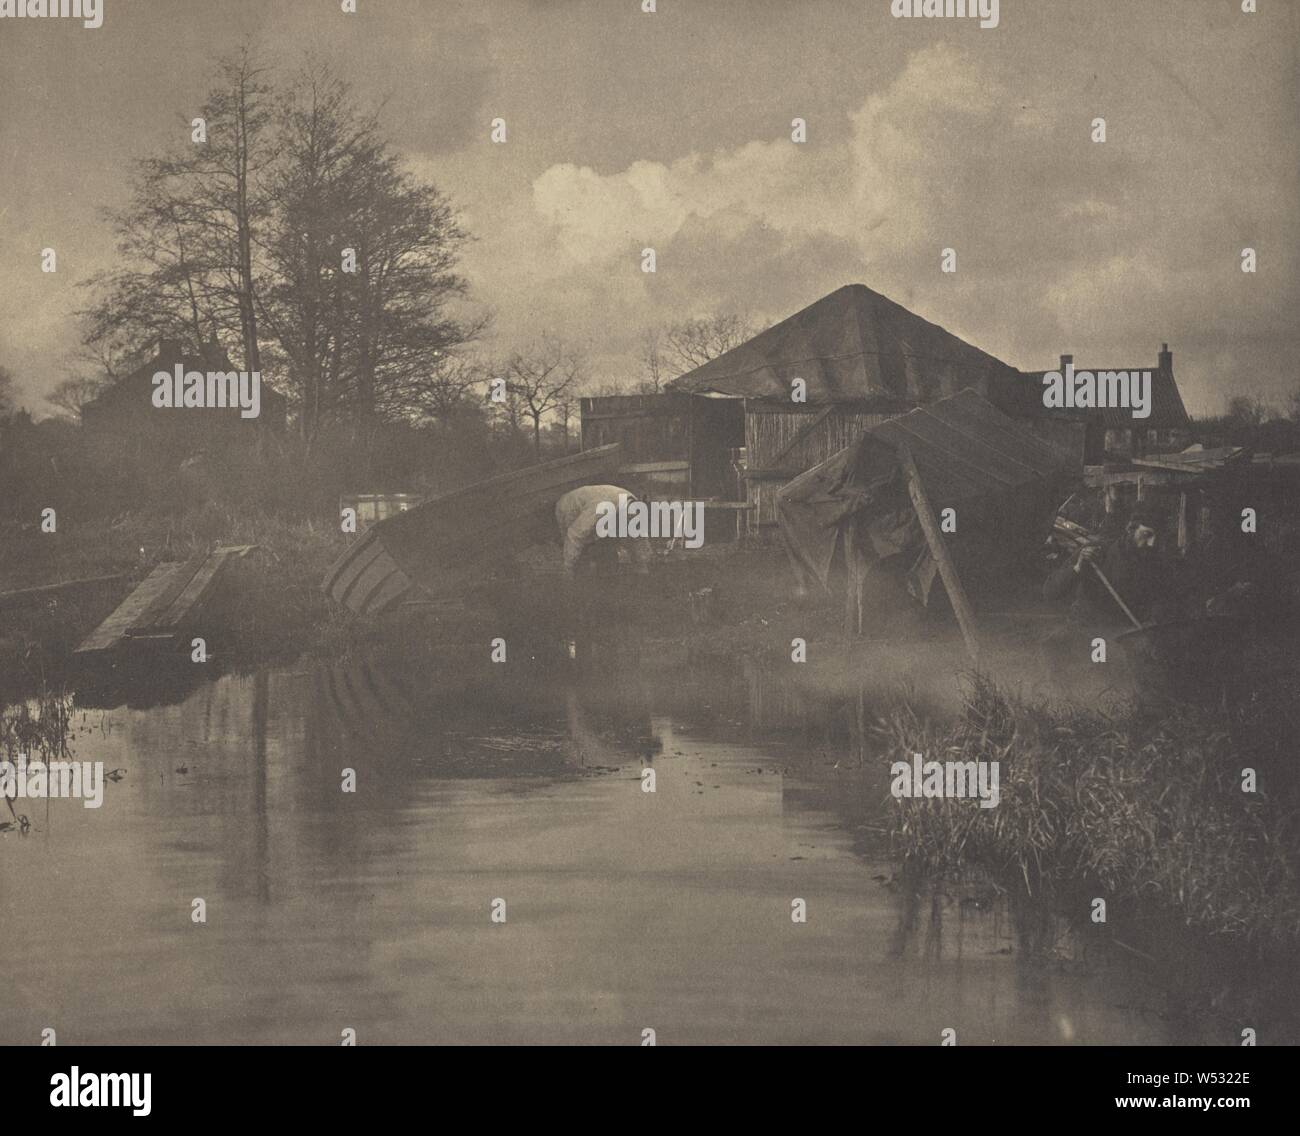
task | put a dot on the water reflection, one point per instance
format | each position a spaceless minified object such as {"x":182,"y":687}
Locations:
{"x":522,"y":781}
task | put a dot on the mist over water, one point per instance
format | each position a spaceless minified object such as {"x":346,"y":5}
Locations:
{"x":626,"y":910}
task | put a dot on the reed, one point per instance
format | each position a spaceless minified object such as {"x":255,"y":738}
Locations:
{"x":1144,"y":805}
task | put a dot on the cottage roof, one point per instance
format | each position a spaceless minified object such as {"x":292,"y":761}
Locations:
{"x":1167,"y":409}
{"x":135,"y":389}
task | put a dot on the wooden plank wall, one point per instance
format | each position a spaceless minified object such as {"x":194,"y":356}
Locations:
{"x":650,"y":428}
{"x":768,"y":431}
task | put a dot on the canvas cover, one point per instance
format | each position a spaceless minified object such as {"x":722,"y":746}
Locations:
{"x":967,"y":453}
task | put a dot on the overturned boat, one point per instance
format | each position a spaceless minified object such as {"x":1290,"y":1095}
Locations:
{"x":456,"y":539}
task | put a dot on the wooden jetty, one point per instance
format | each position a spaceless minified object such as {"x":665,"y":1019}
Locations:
{"x":166,"y":603}
{"x":460,"y":537}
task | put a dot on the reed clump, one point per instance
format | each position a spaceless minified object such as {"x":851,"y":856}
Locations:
{"x":1146,"y":804}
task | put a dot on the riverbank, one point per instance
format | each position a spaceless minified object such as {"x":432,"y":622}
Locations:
{"x":271,"y":608}
{"x":1141,"y":805}
{"x":1151,"y":809}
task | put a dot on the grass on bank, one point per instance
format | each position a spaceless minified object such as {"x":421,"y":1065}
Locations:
{"x":1145,"y":804}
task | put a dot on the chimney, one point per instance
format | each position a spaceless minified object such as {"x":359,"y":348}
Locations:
{"x":1066,"y":359}
{"x":214,"y":355}
{"x":1166,"y":359}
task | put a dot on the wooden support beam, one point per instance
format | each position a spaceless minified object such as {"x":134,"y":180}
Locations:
{"x":850,"y":578}
{"x":934,"y":538}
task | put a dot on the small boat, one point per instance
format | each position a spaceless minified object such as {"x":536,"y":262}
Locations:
{"x":449,"y":541}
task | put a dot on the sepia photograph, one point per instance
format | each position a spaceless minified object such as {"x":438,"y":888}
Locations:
{"x":650,"y":522}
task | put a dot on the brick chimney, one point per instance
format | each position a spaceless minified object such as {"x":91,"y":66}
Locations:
{"x":1166,"y":359}
{"x":1066,"y":359}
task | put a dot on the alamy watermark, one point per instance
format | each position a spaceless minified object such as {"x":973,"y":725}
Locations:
{"x":38,"y":780}
{"x":89,"y":12}
{"x":985,"y":10}
{"x":960,"y":779}
{"x":182,"y":388}
{"x":636,"y":520}
{"x":101,"y":1090}
{"x":1073,"y":389}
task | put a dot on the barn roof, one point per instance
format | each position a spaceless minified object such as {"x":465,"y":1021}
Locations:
{"x":852,"y":344}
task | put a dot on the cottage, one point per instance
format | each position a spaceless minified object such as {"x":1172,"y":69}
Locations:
{"x":1112,"y":431}
{"x":128,"y":417}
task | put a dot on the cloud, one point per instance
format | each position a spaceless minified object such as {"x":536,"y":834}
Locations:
{"x":1063,"y":244}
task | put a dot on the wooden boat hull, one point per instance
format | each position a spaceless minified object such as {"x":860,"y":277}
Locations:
{"x":449,"y":541}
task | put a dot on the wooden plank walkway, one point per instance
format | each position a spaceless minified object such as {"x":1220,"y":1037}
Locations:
{"x":113,"y":630}
{"x":164,"y":603}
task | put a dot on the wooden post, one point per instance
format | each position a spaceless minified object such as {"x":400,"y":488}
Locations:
{"x":947,"y":569}
{"x":854,"y":577}
{"x":1182,"y":521}
{"x":850,"y":576}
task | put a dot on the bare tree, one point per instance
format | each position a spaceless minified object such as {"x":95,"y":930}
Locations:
{"x":447,"y":388}
{"x":542,"y":378}
{"x":652,"y":360}
{"x":1248,"y":410}
{"x":73,"y":393}
{"x":565,"y":410}
{"x":362,"y":330}
{"x":505,"y":407}
{"x":296,"y":233}
{"x":692,"y":343}
{"x":187,"y":235}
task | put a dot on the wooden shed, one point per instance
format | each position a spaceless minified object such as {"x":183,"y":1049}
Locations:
{"x":812,"y":384}
{"x":675,"y":447}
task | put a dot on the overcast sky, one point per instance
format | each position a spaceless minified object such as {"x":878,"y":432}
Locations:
{"x":672,"y":130}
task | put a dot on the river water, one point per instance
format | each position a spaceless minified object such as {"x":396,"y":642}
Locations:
{"x":624,"y":910}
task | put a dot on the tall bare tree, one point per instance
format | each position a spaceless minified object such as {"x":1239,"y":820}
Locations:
{"x":652,"y":360}
{"x":543,"y":377}
{"x":186,"y":238}
{"x":362,"y":258}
